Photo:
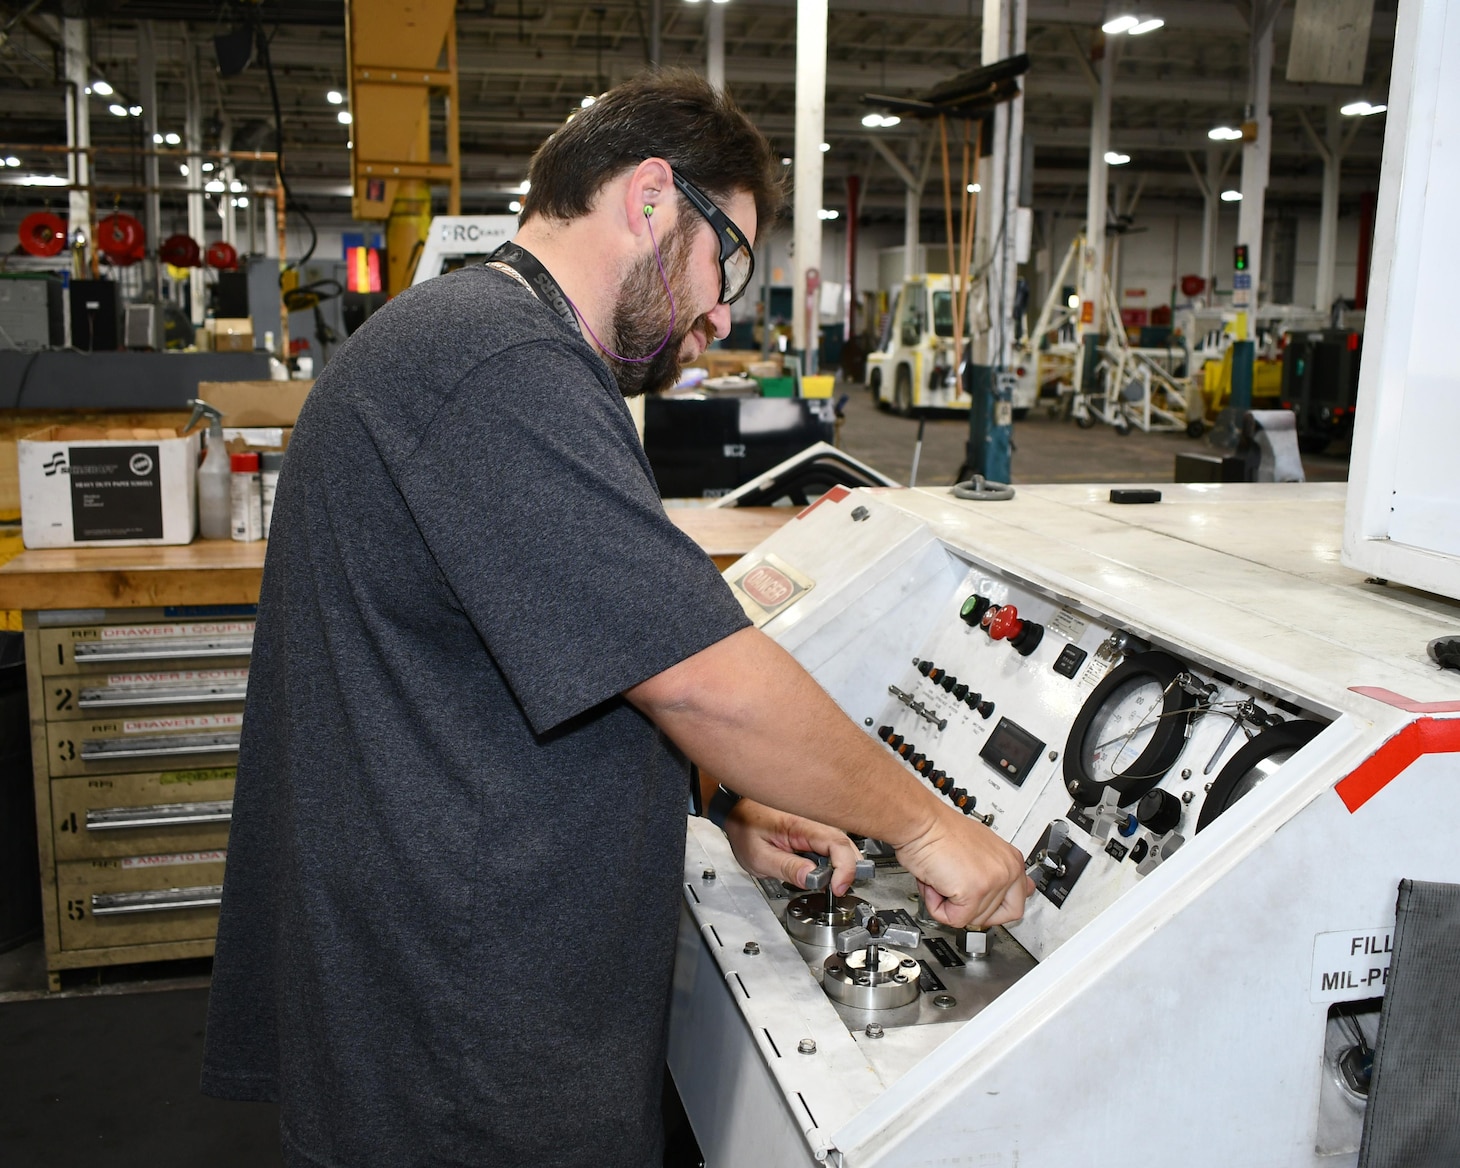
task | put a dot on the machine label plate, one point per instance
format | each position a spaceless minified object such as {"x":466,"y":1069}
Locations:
{"x":768,"y":587}
{"x":1069,"y":624}
{"x":1351,"y":965}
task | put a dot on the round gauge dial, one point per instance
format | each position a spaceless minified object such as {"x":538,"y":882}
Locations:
{"x":1131,"y":728}
{"x":1253,"y":763}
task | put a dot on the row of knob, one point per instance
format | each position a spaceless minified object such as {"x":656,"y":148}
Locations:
{"x":929,"y":770}
{"x":1002,"y":623}
{"x":971,"y":698}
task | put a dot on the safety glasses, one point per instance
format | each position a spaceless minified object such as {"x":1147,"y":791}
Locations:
{"x":737,"y":261}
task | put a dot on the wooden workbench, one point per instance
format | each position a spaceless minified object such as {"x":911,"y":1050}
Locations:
{"x":225,"y":572}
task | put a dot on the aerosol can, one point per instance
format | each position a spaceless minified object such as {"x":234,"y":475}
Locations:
{"x":213,"y":474}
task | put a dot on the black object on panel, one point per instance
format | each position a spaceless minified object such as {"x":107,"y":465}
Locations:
{"x":706,"y":447}
{"x":96,"y":316}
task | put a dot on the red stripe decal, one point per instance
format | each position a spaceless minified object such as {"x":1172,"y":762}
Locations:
{"x":1390,"y":698}
{"x":835,"y":495}
{"x":1421,"y":737}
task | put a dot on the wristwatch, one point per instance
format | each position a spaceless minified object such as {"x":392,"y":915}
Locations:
{"x":721,"y":804}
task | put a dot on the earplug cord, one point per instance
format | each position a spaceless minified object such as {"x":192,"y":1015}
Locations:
{"x":659,"y":259}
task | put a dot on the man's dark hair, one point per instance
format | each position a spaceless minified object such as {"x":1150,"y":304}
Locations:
{"x":674,"y":114}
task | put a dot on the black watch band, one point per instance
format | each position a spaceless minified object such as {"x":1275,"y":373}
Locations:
{"x":721,"y":804}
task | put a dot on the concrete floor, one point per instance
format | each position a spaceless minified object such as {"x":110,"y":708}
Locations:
{"x":1046,"y":450}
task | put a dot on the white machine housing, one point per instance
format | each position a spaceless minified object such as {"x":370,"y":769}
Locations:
{"x":1180,"y":1009}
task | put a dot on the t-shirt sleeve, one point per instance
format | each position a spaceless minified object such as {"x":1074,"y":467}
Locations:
{"x":534,"y":496}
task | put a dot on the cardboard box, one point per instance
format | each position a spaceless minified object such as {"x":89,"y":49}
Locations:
{"x":81,"y":486}
{"x":231,"y":334}
{"x":256,"y":403}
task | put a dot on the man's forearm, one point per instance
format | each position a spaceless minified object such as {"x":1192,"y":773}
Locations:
{"x":745,"y":711}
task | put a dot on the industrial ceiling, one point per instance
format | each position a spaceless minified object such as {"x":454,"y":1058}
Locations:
{"x":526,"y":64}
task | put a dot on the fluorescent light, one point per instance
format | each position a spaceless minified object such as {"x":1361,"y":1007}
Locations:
{"x":171,"y":139}
{"x":215,"y":187}
{"x":785,"y":162}
{"x":872,"y":121}
{"x":1151,"y":24}
{"x":237,"y":187}
{"x":588,"y":99}
{"x":335,"y":97}
{"x":183,"y":170}
{"x":827,"y":213}
{"x":1116,"y":158}
{"x":344,"y":117}
{"x":514,"y":206}
{"x":241,"y":201}
{"x":11,"y":160}
{"x":207,"y":168}
{"x":157,"y":139}
{"x":889,"y":120}
{"x":1119,"y":24}
{"x":42,"y":180}
{"x":102,"y":88}
{"x":119,"y":110}
{"x":1224,"y":134}
{"x":974,"y":188}
{"x":1231,"y":196}
{"x":825,"y":146}
{"x":135,"y":110}
{"x":524,"y":186}
{"x":1361,"y":109}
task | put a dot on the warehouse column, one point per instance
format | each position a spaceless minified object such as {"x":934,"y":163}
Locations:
{"x":152,"y":201}
{"x":1256,"y":148}
{"x":854,"y":209}
{"x":810,"y":130}
{"x":1004,"y":23}
{"x":193,"y":143}
{"x":715,"y":44}
{"x":912,"y":214}
{"x":78,"y":126}
{"x":1331,"y":149}
{"x":656,"y":22}
{"x":1092,"y":272}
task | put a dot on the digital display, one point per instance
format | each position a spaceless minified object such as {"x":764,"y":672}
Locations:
{"x":1012,"y":751}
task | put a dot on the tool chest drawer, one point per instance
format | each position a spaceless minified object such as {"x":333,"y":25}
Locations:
{"x":137,"y":814}
{"x":139,"y":900}
{"x":135,"y":716}
{"x":101,"y":647}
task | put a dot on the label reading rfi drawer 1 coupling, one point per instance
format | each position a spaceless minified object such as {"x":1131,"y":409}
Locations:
{"x":1351,"y":965}
{"x":156,"y":632}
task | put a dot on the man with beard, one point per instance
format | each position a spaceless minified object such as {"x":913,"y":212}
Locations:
{"x":483,"y":659}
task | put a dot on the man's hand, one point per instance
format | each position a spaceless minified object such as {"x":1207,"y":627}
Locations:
{"x":968,"y":876}
{"x":766,"y":841}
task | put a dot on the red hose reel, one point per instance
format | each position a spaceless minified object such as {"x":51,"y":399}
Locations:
{"x":121,"y":238}
{"x":43,"y":233}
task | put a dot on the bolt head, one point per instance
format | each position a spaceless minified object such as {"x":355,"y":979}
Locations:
{"x":807,"y":1046}
{"x":797,"y":911}
{"x":945,"y":1001}
{"x":874,"y":1030}
{"x":909,"y":963}
{"x":752,"y":948}
{"x":1186,"y":773}
{"x":707,"y":874}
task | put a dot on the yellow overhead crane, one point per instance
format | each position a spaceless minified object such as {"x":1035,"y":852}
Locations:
{"x":401,"y":56}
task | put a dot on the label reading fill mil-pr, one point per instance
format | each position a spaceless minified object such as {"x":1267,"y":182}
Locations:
{"x":116,"y":492}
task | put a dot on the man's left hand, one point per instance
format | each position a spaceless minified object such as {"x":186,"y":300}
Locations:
{"x":766,"y":841}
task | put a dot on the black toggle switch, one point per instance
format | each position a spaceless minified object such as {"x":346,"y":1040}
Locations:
{"x":1159,"y":811}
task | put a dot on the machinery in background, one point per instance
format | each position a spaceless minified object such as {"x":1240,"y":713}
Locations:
{"x":1320,"y":383}
{"x":804,"y":477}
{"x":454,"y":241}
{"x":914,"y":366}
{"x":1216,"y":825}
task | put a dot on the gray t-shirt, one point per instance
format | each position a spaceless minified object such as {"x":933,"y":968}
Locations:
{"x":448,"y":921}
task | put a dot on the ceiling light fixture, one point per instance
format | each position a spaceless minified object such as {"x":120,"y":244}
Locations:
{"x":207,"y":167}
{"x":588,"y":99}
{"x":171,"y":139}
{"x":119,"y":110}
{"x":524,"y":186}
{"x":827,"y":213}
{"x":1151,"y":24}
{"x":183,"y":170}
{"x":514,"y":206}
{"x":1116,"y":158}
{"x":1231,"y":196}
{"x":344,"y":117}
{"x":101,"y":87}
{"x":785,"y":162}
{"x":42,"y":180}
{"x":335,"y":97}
{"x":880,"y":121}
{"x":1119,"y":24}
{"x":1224,"y":134}
{"x":974,"y":188}
{"x":215,"y":187}
{"x":11,"y":160}
{"x":1361,"y":109}
{"x":825,"y":146}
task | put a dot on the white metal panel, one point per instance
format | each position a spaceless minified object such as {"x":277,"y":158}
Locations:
{"x":1404,"y":496}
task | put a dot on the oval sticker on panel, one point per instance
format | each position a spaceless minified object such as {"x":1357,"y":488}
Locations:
{"x":767,"y":587}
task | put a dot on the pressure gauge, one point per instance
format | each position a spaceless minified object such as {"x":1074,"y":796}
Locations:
{"x":1254,"y":762}
{"x":1131,"y":728}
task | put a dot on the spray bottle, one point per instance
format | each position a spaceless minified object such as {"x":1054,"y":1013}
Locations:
{"x":213,"y":475}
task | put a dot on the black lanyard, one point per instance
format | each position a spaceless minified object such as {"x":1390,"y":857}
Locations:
{"x":538,"y":278}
